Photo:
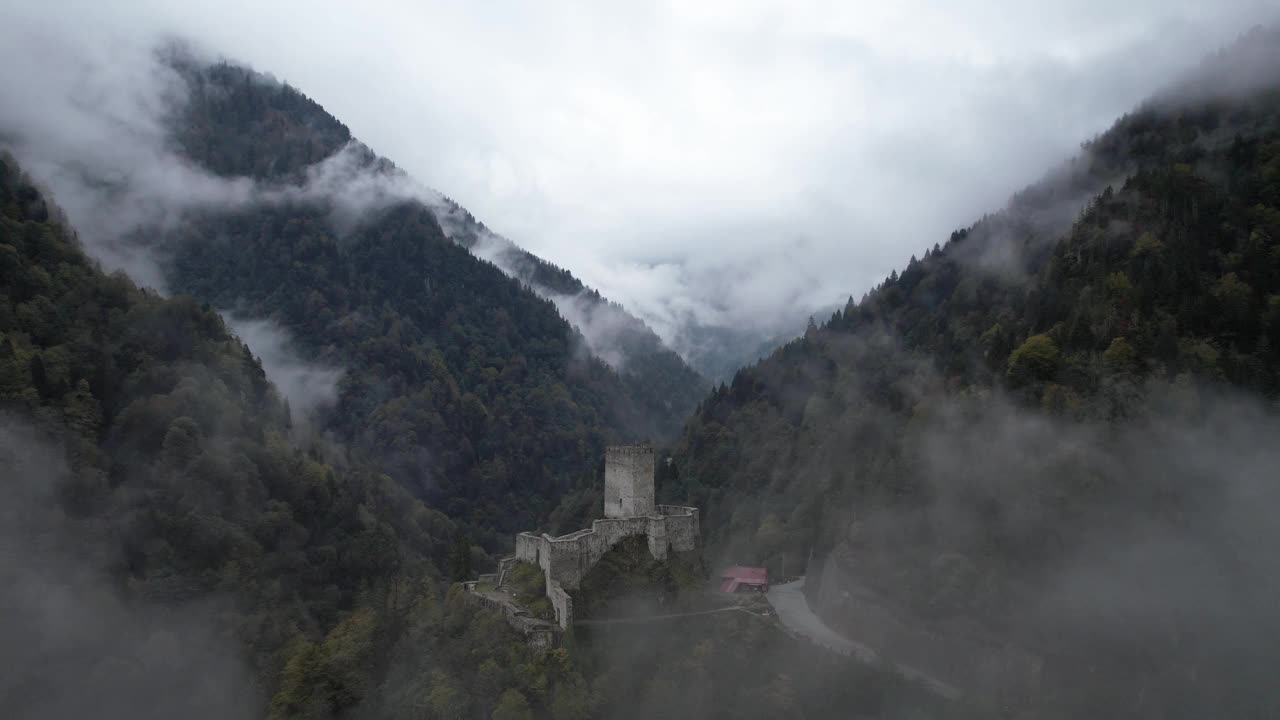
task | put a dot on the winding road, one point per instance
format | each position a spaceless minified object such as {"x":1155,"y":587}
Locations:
{"x":799,"y":620}
{"x":793,"y":611}
{"x":653,"y":618}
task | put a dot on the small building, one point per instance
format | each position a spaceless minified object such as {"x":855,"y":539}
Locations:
{"x":738,"y":579}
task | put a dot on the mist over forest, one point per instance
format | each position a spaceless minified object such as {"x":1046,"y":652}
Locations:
{"x":273,"y":408}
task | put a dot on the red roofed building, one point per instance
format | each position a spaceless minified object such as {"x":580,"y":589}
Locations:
{"x":744,"y":579}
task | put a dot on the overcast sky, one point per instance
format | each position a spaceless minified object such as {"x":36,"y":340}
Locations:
{"x":727,"y":159}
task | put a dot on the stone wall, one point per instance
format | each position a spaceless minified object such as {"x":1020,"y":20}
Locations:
{"x":565,"y":560}
{"x":628,"y":511}
{"x":562,"y":603}
{"x":538,"y":633}
{"x":528,"y":548}
{"x":628,"y":481}
{"x":683,"y":531}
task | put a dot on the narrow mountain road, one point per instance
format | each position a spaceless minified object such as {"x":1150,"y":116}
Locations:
{"x":793,"y":610}
{"x":654,"y":618}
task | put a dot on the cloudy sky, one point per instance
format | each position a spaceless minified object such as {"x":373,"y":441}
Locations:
{"x":731,"y":161}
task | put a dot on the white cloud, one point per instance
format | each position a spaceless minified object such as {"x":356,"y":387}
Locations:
{"x":306,"y":385}
{"x":808,"y":146}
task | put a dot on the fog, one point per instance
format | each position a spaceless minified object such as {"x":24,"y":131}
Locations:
{"x":1167,"y":551}
{"x":1090,"y":564}
{"x":75,"y":643}
{"x":605,"y":329}
{"x":86,"y":115}
{"x":307,"y":386}
{"x":802,"y":150}
{"x":731,"y":168}
{"x":93,"y":129}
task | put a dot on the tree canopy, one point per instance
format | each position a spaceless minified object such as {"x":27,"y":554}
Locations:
{"x":1052,"y":387}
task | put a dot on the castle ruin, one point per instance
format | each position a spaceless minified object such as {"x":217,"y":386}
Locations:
{"x":629,"y":510}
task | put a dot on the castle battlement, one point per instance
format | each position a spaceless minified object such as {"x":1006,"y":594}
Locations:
{"x":629,"y":511}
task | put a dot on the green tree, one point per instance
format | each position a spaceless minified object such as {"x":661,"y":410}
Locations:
{"x":15,"y":375}
{"x":570,"y":701}
{"x":1120,"y":355}
{"x":1035,"y":359}
{"x":459,"y":560}
{"x":82,"y":411}
{"x":40,"y":377}
{"x":1118,"y":288}
{"x":181,"y":441}
{"x":446,"y":700}
{"x":1235,"y":297}
{"x":512,"y":705}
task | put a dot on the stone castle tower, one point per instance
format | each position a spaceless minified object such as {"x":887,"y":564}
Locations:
{"x":628,"y":481}
{"x":629,"y":511}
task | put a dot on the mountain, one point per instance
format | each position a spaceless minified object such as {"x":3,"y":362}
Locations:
{"x":463,"y":383}
{"x":149,"y":469}
{"x":228,"y":129}
{"x":719,"y":351}
{"x":623,"y":341}
{"x":172,"y":545}
{"x":178,"y":539}
{"x":1039,"y":461}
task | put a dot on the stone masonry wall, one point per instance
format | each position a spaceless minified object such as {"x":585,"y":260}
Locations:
{"x":628,"y":481}
{"x":562,"y":603}
{"x":538,"y":633}
{"x":565,"y":560}
{"x":528,"y":546}
{"x":628,"y":511}
{"x":684,"y":534}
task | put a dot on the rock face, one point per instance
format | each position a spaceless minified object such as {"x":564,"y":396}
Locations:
{"x":628,"y":511}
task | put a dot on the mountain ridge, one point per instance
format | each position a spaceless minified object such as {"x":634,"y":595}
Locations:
{"x":1074,"y":392}
{"x":453,"y":377}
{"x":299,"y":134}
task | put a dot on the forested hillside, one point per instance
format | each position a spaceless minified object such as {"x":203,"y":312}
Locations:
{"x":239,"y":123}
{"x":178,"y":542}
{"x":149,"y":468}
{"x":1038,"y":463}
{"x":464,"y":384}
{"x":652,"y":371}
{"x":171,"y":547}
{"x":1055,"y":431}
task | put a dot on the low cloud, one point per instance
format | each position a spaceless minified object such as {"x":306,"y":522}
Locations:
{"x":607,"y":331}
{"x":1041,"y":546}
{"x":76,"y":645}
{"x":89,"y":124}
{"x":803,"y":150}
{"x":307,"y":386}
{"x":85,"y":116}
{"x":604,"y":327}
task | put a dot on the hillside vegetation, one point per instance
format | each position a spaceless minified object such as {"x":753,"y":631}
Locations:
{"x":462,"y":383}
{"x":171,"y":549}
{"x":170,"y":455}
{"x":1056,"y":429}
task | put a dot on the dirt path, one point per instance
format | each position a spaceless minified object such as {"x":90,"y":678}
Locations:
{"x":793,"y":610}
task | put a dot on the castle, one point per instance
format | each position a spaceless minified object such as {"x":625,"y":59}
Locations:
{"x":629,"y":510}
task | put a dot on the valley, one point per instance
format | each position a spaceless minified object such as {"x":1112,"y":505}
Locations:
{"x":285,"y":433}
